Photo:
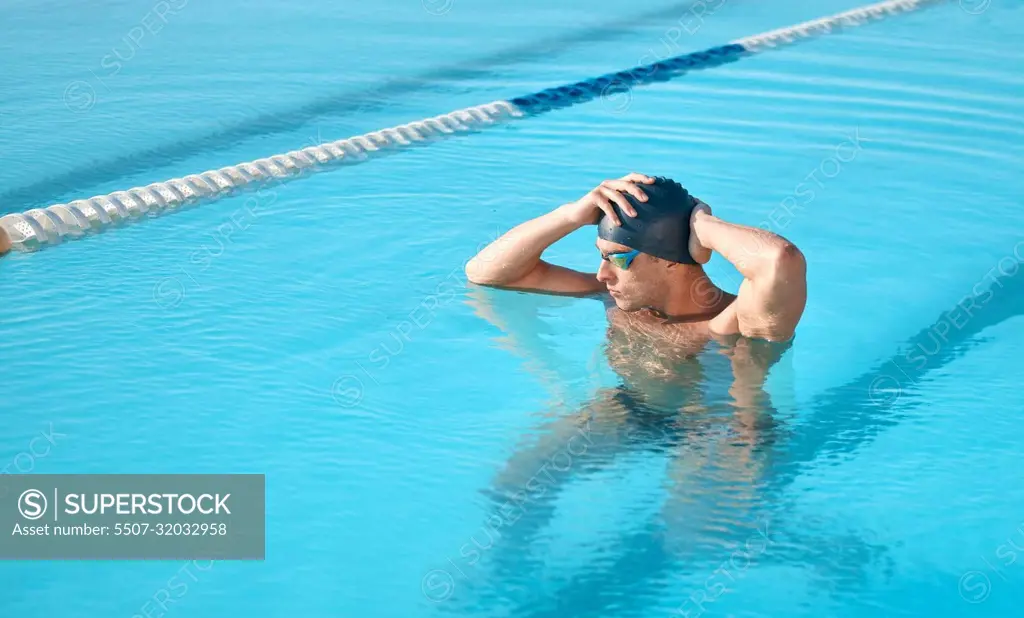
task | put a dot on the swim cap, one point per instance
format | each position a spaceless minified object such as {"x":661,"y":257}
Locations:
{"x":662,"y":225}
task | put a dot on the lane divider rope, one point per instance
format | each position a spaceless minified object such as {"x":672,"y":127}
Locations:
{"x":41,"y":227}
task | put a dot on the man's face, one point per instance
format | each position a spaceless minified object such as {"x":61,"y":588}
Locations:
{"x":634,"y":287}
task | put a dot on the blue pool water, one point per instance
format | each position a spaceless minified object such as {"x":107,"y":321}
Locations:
{"x":331,"y":342}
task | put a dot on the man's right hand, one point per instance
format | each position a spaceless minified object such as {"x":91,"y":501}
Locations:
{"x":588,"y":209}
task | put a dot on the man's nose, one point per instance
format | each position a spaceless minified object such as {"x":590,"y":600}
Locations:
{"x":604,"y":272}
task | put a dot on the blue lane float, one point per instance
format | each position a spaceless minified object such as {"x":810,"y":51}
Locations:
{"x":624,"y":81}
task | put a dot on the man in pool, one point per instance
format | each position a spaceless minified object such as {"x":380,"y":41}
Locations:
{"x":654,"y":238}
{"x":692,"y":359}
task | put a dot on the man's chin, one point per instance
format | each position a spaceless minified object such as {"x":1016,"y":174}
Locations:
{"x":624,"y":304}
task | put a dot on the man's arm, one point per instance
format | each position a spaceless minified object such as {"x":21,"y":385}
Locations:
{"x":773,"y":293}
{"x":514,"y":260}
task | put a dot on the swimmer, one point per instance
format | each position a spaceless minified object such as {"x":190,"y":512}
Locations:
{"x":693,"y":362}
{"x":654,"y":238}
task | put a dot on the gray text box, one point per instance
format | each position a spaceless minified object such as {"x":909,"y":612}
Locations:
{"x":132,"y":517}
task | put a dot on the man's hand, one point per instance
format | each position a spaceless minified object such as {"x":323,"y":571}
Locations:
{"x":588,"y":209}
{"x":698,"y":252}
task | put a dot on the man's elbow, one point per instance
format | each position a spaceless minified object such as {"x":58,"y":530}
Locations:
{"x":473,"y":272}
{"x":477,"y":272}
{"x":787,"y":261}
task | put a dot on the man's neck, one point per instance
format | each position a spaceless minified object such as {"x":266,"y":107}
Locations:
{"x":691,"y":297}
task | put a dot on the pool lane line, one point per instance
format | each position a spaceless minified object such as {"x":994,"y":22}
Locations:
{"x":231,"y":132}
{"x":40,"y":227}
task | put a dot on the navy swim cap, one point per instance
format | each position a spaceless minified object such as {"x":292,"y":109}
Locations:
{"x":662,"y":225}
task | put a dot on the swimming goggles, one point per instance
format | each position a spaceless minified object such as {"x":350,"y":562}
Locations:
{"x":622,"y":260}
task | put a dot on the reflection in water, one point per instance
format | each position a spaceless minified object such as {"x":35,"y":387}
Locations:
{"x":698,"y":402}
{"x":731,"y":454}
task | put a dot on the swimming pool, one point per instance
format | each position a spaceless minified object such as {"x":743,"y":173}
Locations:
{"x":327,"y":338}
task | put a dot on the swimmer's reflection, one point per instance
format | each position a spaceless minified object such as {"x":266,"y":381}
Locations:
{"x":700,"y":402}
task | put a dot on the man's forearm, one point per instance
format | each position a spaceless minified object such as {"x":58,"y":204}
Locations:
{"x":516,"y":253}
{"x":756,"y":253}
